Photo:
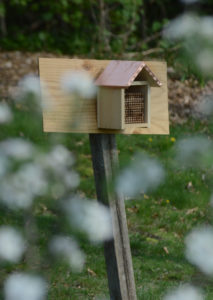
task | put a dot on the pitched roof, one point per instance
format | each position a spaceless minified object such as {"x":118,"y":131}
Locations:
{"x":120,"y":73}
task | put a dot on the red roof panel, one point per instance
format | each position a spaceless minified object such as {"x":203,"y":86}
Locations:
{"x":119,"y":73}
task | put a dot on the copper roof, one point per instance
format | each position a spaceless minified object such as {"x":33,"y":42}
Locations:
{"x":119,"y":73}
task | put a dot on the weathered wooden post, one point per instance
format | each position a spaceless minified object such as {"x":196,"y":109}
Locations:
{"x":132,"y":99}
{"x":117,"y":251}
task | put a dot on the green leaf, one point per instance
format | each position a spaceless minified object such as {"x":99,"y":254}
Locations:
{"x":156,"y":26}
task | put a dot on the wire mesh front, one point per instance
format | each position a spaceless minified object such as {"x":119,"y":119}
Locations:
{"x":134,"y":108}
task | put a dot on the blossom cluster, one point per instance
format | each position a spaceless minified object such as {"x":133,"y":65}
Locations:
{"x":29,"y":174}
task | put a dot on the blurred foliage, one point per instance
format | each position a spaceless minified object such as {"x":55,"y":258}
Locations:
{"x":131,"y":29}
{"x":84,"y":26}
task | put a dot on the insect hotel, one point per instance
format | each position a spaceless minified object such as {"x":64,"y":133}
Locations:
{"x":132,"y":97}
{"x":123,"y":98}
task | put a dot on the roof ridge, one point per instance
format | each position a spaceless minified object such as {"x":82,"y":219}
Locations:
{"x":121,"y":73}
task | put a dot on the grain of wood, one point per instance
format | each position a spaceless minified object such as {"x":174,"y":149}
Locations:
{"x":62,"y":109}
{"x":139,"y":83}
{"x":110,"y":108}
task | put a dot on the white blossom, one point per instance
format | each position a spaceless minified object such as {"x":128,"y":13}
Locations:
{"x":21,"y":286}
{"x":71,"y":179}
{"x":57,"y":160}
{"x":90,"y":217}
{"x":79,"y":83}
{"x":194,"y":151}
{"x":204,"y":60}
{"x":6,"y":115}
{"x":199,"y":248}
{"x":197,"y":34}
{"x":140,"y":176}
{"x":32,"y":175}
{"x":206,"y":27}
{"x":30,"y":84}
{"x":205,"y":106}
{"x":19,"y":189}
{"x":185,"y":292}
{"x":17,"y":148}
{"x":188,"y":25}
{"x":182,"y":27}
{"x":12,"y":244}
{"x":68,"y":249}
{"x":14,"y":197}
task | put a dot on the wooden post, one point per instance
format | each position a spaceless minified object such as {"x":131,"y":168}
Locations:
{"x":117,"y":251}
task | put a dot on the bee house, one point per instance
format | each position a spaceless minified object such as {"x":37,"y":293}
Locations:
{"x":124,"y":97}
{"x":132,"y":97}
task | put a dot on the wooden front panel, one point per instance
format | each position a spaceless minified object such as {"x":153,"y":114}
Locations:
{"x":59,"y":118}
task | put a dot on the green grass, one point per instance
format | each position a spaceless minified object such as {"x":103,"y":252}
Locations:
{"x":158,"y":222}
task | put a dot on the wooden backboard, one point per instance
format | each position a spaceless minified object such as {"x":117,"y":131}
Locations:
{"x":62,"y":109}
